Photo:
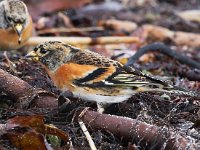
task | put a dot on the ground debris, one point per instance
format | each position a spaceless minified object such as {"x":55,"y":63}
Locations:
{"x":147,"y":120}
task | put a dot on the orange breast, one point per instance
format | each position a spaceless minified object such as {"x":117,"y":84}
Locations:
{"x":9,"y":38}
{"x":64,"y":76}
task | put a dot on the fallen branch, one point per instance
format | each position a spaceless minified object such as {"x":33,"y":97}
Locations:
{"x":166,"y":50}
{"x":16,"y":88}
{"x":23,"y":93}
{"x":142,"y":134}
{"x":85,"y":40}
{"x":158,"y":33}
{"x":155,"y":33}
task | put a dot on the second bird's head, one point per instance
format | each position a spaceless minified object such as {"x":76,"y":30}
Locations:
{"x":52,"y":54}
{"x":16,"y":15}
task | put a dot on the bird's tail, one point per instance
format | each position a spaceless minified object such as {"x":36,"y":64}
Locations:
{"x":180,"y":91}
{"x":152,"y":83}
{"x":171,"y":90}
{"x":166,"y":86}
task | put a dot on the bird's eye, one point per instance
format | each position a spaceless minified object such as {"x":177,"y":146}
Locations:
{"x":43,"y":51}
{"x":22,"y":21}
{"x":9,"y":19}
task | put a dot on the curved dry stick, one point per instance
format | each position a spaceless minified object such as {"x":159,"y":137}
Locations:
{"x":166,"y":50}
{"x":142,"y":134}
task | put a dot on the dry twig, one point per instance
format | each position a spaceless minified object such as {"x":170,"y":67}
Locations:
{"x":69,"y":30}
{"x":85,"y":40}
{"x":87,"y":135}
{"x":85,"y":131}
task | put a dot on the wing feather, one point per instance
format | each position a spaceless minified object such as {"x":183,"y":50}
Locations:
{"x":121,"y":76}
{"x":117,"y":79}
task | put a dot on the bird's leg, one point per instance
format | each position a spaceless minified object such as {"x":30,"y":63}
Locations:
{"x":67,"y":94}
{"x":101,"y":107}
{"x":63,"y":97}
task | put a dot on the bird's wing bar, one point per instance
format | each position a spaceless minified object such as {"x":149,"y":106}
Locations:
{"x":116,"y":79}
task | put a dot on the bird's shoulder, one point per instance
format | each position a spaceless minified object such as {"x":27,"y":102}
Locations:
{"x":87,"y":57}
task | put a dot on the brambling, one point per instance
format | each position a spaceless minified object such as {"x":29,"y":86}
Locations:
{"x":15,"y":24}
{"x":93,"y":77}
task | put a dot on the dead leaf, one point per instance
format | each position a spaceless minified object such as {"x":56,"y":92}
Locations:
{"x":35,"y":128}
{"x":27,"y":139}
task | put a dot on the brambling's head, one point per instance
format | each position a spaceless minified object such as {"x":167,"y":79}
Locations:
{"x":16,"y":15}
{"x":52,"y":54}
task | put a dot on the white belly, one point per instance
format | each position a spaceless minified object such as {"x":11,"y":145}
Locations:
{"x":103,"y":98}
